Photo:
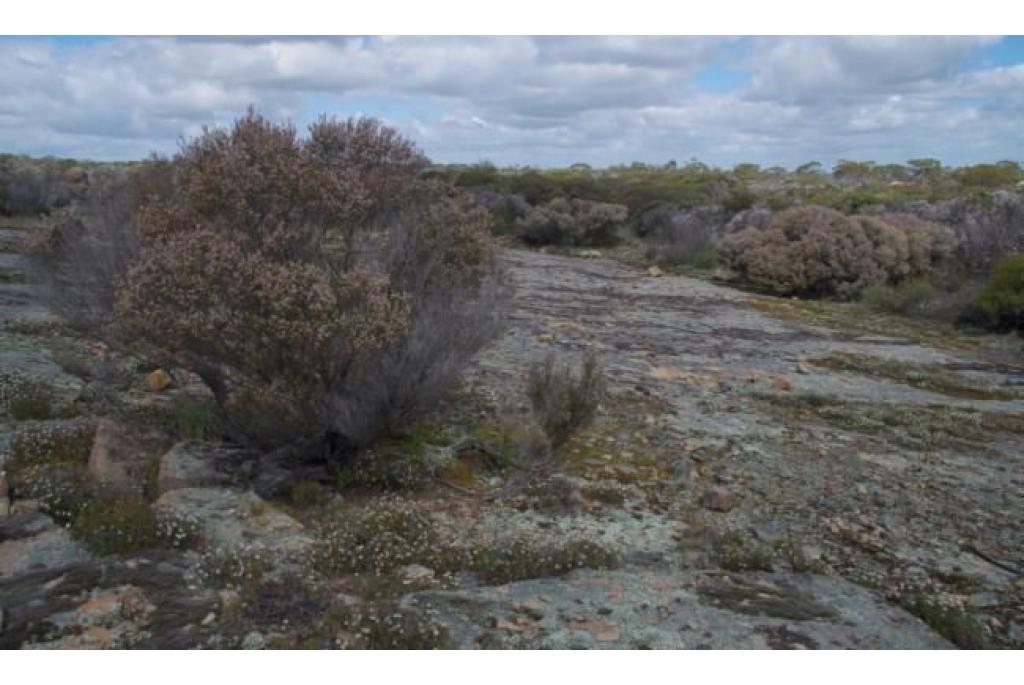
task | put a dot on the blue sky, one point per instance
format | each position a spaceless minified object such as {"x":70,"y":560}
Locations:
{"x":534,"y":100}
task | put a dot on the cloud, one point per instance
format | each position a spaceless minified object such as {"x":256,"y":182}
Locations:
{"x":531,"y":100}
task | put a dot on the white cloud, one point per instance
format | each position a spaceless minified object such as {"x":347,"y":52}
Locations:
{"x":530,"y":100}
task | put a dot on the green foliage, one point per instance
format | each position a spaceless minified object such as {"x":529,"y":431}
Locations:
{"x":952,"y":623}
{"x":523,"y":558}
{"x":989,"y":176}
{"x":1002,"y":298}
{"x":903,"y":298}
{"x":25,"y":398}
{"x":391,"y":535}
{"x":564,"y":401}
{"x":375,"y":541}
{"x":306,"y":494}
{"x":125,"y":526}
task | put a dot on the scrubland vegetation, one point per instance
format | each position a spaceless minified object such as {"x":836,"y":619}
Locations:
{"x":311,"y":301}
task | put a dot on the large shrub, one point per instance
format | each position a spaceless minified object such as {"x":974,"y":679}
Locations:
{"x":318,"y":286}
{"x":817,"y":251}
{"x":1002,"y":298}
{"x":572,"y":222}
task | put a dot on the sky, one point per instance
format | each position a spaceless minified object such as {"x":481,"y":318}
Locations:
{"x":538,"y":101}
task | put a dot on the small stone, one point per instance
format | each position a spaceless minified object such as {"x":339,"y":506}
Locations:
{"x":417,"y":574}
{"x":254,"y":640}
{"x":209,"y":618}
{"x":230,"y":600}
{"x":718,"y":499}
{"x":654,"y":271}
{"x":158,"y":380}
{"x":803,"y":367}
{"x":782,"y":383}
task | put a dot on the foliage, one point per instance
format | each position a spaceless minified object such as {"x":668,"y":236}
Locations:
{"x":522,"y":558}
{"x":572,"y":222}
{"x":564,"y":401}
{"x":1002,"y":298}
{"x":817,"y":251}
{"x":318,"y":285}
{"x":905,"y":298}
{"x":953,"y":623}
{"x":25,"y":397}
{"x":124,"y":526}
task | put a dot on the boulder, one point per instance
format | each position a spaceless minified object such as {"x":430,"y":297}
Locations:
{"x":195,"y":464}
{"x":238,"y":521}
{"x":121,"y":455}
{"x":53,"y":548}
{"x":158,"y":380}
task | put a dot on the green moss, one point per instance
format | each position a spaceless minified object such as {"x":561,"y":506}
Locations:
{"x":858,"y":318}
{"x":921,"y":376}
{"x":735,"y":551}
{"x":910,"y":425}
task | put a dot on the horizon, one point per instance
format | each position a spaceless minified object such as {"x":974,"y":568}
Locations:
{"x":542,"y":102}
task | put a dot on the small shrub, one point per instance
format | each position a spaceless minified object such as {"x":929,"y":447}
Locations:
{"x":25,"y":398}
{"x":48,"y":464}
{"x":306,"y":494}
{"x":194,"y":419}
{"x":124,"y":527}
{"x":376,"y":541}
{"x":385,"y":626}
{"x":1002,"y":298}
{"x":521,"y":559}
{"x":233,"y":568}
{"x":817,"y":252}
{"x":951,"y":622}
{"x":563,"y":401}
{"x":573,"y":222}
{"x":905,"y":298}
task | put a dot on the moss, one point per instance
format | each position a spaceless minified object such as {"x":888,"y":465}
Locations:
{"x":734,"y":551}
{"x":952,"y":623}
{"x":860,"y":319}
{"x":910,"y":425}
{"x":920,"y":376}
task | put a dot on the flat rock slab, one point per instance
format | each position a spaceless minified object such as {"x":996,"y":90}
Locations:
{"x":53,"y":548}
{"x":194,"y":464}
{"x":145,"y":603}
{"x":680,"y":610}
{"x":233,"y":520}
